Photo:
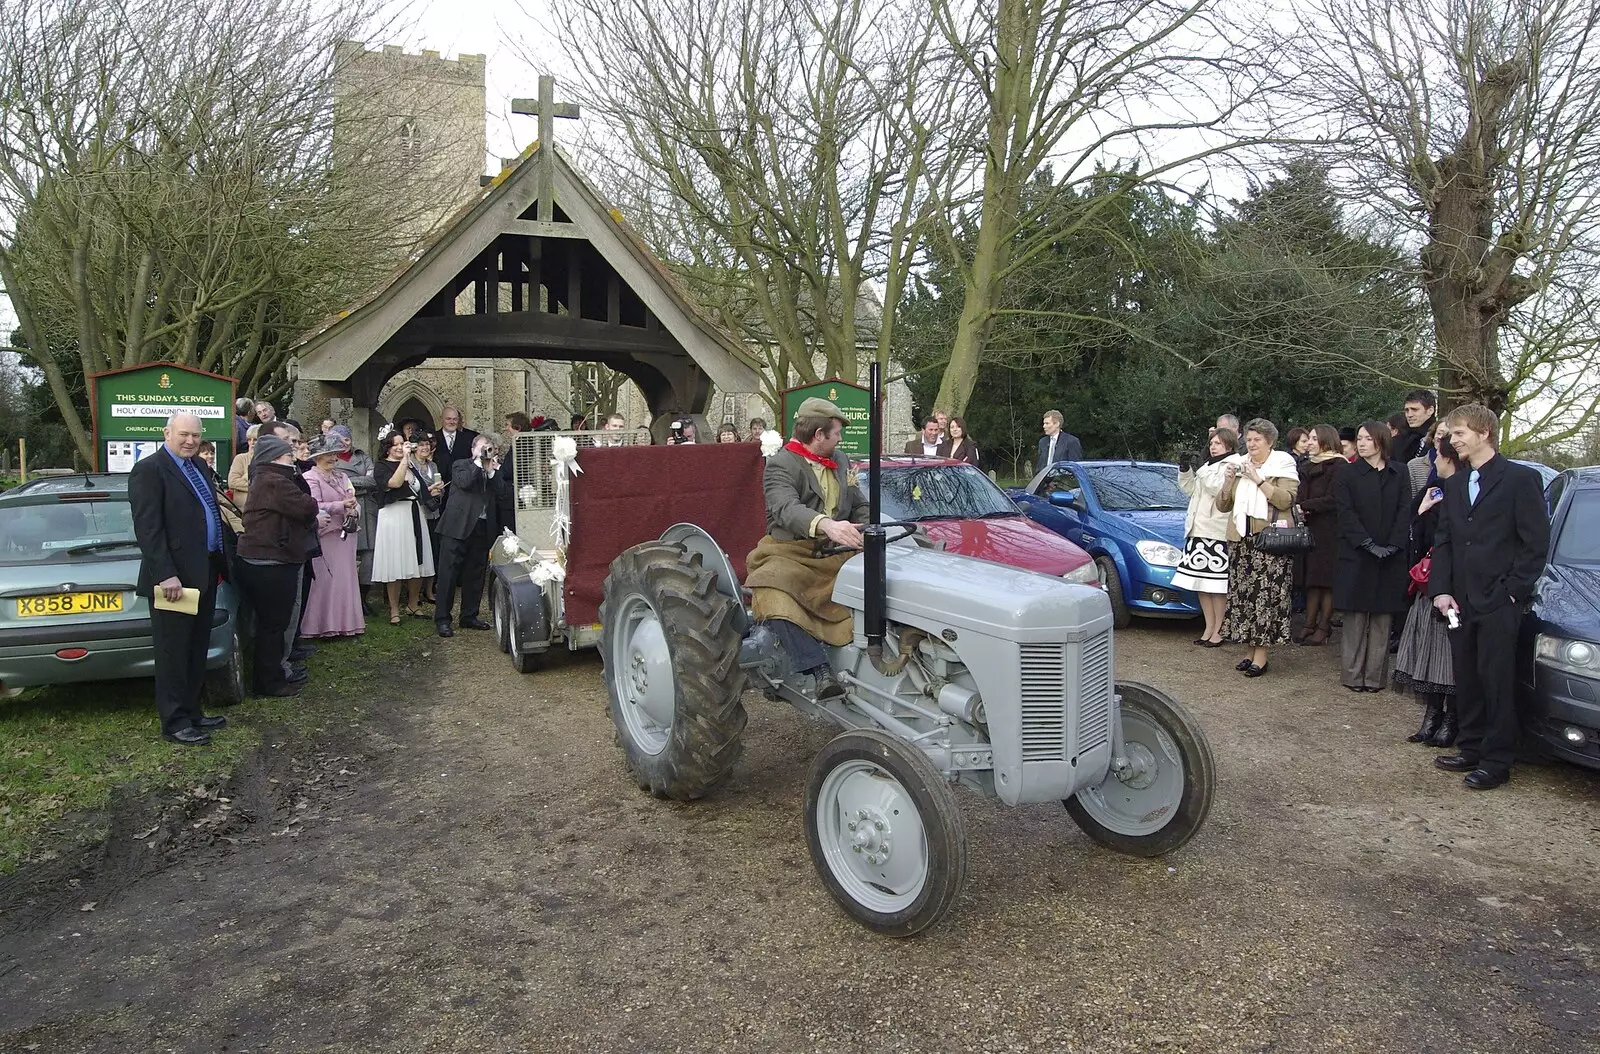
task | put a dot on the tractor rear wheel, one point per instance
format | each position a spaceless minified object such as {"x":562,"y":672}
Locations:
{"x":1164,"y":797}
{"x":886,"y":834}
{"x":670,"y":645}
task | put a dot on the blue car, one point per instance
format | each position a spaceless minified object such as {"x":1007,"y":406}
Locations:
{"x":1128,"y":515}
{"x":1560,"y":667}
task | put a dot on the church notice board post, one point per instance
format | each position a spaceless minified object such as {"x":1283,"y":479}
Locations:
{"x":853,"y":399}
{"x":130,"y":409}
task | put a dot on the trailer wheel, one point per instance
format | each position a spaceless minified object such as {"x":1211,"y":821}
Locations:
{"x":1164,"y":798}
{"x":499,"y":604}
{"x":670,"y":645}
{"x":886,"y":834}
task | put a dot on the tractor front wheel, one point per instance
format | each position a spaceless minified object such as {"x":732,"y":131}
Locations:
{"x":886,"y":834}
{"x":670,"y":644}
{"x":1164,"y":795}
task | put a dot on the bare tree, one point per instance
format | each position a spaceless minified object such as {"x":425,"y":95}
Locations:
{"x":168,"y":189}
{"x":1156,"y":86}
{"x":1474,"y":125}
{"x":786,"y":156}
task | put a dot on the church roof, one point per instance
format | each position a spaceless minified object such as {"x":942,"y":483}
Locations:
{"x":335,"y":349}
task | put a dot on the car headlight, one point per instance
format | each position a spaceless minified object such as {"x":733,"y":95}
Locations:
{"x":1160,"y":554}
{"x":1574,"y":656}
{"x":1083,"y":575}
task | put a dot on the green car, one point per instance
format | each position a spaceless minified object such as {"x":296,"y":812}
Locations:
{"x":68,"y":564}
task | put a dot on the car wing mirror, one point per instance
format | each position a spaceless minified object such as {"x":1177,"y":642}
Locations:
{"x":1067,"y":499}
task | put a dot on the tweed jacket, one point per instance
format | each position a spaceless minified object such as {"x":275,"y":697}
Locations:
{"x":794,"y":501}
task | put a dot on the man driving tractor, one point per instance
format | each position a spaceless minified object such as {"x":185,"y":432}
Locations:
{"x":812,"y":499}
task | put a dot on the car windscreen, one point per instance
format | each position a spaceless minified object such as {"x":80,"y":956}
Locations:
{"x":62,"y":533}
{"x":1129,"y":488}
{"x":1579,"y":541}
{"x":940,"y":492}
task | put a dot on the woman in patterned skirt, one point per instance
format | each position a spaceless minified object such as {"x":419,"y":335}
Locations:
{"x":1204,"y":567}
{"x":1259,"y":489}
{"x":1424,"y":664}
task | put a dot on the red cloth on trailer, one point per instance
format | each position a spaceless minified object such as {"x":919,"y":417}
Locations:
{"x":631,"y":494}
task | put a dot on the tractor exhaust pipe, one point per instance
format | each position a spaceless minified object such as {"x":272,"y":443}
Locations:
{"x":875,"y":544}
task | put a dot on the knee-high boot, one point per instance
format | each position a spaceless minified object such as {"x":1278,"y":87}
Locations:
{"x":1432,"y":718}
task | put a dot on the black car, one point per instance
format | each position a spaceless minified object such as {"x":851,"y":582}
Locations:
{"x":1561,"y":684}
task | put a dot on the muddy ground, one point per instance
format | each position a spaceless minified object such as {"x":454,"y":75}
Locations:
{"x":472,"y":871}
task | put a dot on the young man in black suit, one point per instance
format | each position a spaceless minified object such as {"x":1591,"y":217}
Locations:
{"x":1488,"y":552}
{"x":180,"y":532}
{"x":469,"y":524}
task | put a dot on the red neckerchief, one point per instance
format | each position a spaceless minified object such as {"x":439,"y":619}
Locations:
{"x":796,"y":447}
{"x":344,"y":455}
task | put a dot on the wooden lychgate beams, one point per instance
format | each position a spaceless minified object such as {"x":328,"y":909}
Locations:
{"x":547,"y":110}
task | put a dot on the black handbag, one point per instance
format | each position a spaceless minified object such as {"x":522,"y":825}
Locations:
{"x":1286,"y":541}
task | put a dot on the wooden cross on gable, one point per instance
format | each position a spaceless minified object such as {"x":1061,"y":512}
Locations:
{"x":547,"y":110}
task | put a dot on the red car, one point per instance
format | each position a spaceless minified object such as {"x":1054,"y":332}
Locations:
{"x":959,"y":505}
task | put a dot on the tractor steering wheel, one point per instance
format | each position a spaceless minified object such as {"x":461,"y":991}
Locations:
{"x":823,"y":548}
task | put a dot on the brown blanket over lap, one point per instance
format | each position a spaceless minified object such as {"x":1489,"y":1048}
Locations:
{"x":787,"y":582}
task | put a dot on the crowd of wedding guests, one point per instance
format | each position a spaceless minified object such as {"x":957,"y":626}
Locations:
{"x":1412,"y":535}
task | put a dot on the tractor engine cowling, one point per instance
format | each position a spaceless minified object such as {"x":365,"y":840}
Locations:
{"x":1039,"y":650}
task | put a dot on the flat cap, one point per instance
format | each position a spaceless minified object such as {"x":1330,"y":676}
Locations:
{"x":815,"y":407}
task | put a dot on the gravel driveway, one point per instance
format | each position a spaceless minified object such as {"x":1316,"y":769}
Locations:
{"x":472,"y":871}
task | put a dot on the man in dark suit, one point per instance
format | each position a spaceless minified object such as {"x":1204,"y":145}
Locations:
{"x":451,"y":443}
{"x":930,"y":443}
{"x":811,"y":498}
{"x":469,"y":524}
{"x":1056,"y":444}
{"x":1489,"y":549}
{"x":180,"y":532}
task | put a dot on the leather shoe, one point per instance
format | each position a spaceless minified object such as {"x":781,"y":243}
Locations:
{"x":1244,"y":664}
{"x":475,"y":623}
{"x":298,"y":675}
{"x":828,"y":686}
{"x":301,"y":652}
{"x":1456,"y":762}
{"x":210,"y":722}
{"x":286,"y":690}
{"x":444,"y":629}
{"x":189,"y":737}
{"x":1485,"y":779}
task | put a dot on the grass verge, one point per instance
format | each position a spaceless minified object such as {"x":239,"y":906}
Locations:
{"x":64,"y":748}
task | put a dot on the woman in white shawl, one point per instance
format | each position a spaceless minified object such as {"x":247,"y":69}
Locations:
{"x":1204,"y":567}
{"x":1259,"y":490}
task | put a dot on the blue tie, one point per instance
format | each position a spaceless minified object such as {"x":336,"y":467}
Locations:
{"x":202,"y":490}
{"x":1472,"y":488}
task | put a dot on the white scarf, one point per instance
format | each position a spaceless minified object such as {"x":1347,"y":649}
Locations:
{"x":1248,"y":500}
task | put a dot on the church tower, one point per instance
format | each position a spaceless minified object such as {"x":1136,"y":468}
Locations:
{"x":412,"y":125}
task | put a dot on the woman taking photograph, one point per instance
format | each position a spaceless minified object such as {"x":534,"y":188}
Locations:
{"x":432,"y":477}
{"x":1424,"y":663}
{"x":1204,"y":567}
{"x":402,"y":551}
{"x":1321,"y":512}
{"x":1374,"y":502}
{"x":333,"y":607}
{"x":962,"y":448}
{"x":1257,"y":491}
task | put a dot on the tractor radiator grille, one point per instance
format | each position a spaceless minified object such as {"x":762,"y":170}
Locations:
{"x":1094,"y":704}
{"x":1044,"y":702}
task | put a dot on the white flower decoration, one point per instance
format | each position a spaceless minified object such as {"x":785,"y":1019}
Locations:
{"x":771,"y":443}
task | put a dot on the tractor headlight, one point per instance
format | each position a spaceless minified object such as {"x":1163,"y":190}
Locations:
{"x":1574,"y":656}
{"x":1159,"y":554}
{"x":1084,"y":574}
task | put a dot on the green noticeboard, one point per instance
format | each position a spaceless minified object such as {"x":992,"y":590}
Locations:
{"x":131,"y":407}
{"x":854,"y":400}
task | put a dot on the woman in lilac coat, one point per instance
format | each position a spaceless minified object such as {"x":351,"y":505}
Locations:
{"x":333,"y":608}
